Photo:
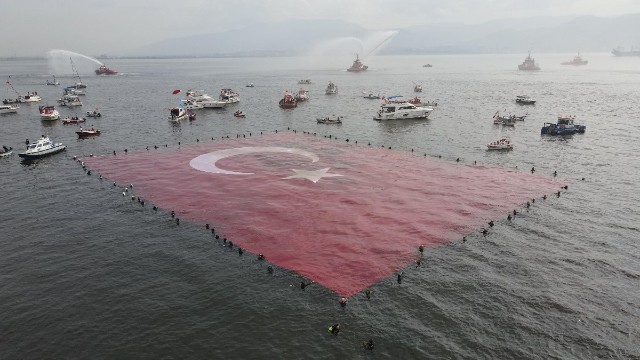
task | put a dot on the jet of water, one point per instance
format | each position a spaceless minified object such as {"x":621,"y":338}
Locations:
{"x":340,"y":52}
{"x":59,"y":62}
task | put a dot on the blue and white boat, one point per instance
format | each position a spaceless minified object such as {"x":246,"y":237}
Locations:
{"x":564,"y":126}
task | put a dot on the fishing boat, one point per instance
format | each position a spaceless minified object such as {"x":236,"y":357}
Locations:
{"x":501,"y":144}
{"x":402,"y":111}
{"x":302,"y":95}
{"x":333,"y":119}
{"x":8,"y":109}
{"x":41,"y":148}
{"x":288,"y":101}
{"x":357,"y":65}
{"x":53,"y":82}
{"x":73,"y":120}
{"x":331,"y":89}
{"x":564,"y":126}
{"x":577,"y":61}
{"x":85,"y":133}
{"x":524,"y":100}
{"x":529,"y":64}
{"x":94,"y":114}
{"x":6,"y":151}
{"x":177,"y":114}
{"x":417,"y":87}
{"x":104,"y":70}
{"x":49,"y":113}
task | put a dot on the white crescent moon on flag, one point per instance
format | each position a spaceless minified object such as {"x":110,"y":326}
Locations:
{"x":207,"y":162}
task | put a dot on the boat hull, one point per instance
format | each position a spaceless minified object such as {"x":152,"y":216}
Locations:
{"x":86,"y":134}
{"x":6,"y":153}
{"x":41,"y":154}
{"x":415,"y":115}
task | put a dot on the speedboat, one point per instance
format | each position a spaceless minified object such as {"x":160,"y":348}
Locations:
{"x":564,"y":126}
{"x":303,"y":95}
{"x":427,"y":65}
{"x":304,"y":82}
{"x":417,"y":88}
{"x":577,"y":60}
{"x":200,"y":98}
{"x":357,"y":65}
{"x":419,"y":102}
{"x":239,"y":114}
{"x":502,"y":144}
{"x":177,"y":114}
{"x":85,"y":133}
{"x":93,"y":113}
{"x":7,"y":109}
{"x":397,"y":111}
{"x":70,"y":100}
{"x":6,"y":151}
{"x":331,"y":89}
{"x":249,"y":85}
{"x":509,"y":120}
{"x":103,"y":70}
{"x":370,"y":95}
{"x":529,"y":64}
{"x":53,"y":82}
{"x":12,"y":101}
{"x":288,"y":101}
{"x":333,"y":119}
{"x":49,"y":113}
{"x":41,"y":148}
{"x":525,"y":100}
{"x":31,"y":97}
{"x":73,"y":120}
{"x":229,"y":96}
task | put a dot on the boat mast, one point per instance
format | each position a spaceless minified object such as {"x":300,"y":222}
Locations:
{"x":11,"y":86}
{"x":75,"y":71}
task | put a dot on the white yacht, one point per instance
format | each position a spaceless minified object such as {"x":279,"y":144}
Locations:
{"x":177,"y":114}
{"x":394,"y":111}
{"x":191,"y":104}
{"x":200,"y":98}
{"x":43,"y":147}
{"x":7,"y":109}
{"x":70,"y":100}
{"x":229,"y":96}
{"x":30,"y":97}
{"x":49,"y":113}
{"x":331,"y":89}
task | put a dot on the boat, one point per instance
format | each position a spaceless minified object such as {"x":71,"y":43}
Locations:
{"x":71,"y":90}
{"x":524,"y":100}
{"x":529,"y":64}
{"x":85,"y":133}
{"x":191,"y":104}
{"x":288,"y":101}
{"x":177,"y":114}
{"x":191,"y":115}
{"x":508,"y":120}
{"x":41,"y":148}
{"x":201,"y":100}
{"x":331,"y":89}
{"x":357,"y":65}
{"x":79,"y":84}
{"x":229,"y":96}
{"x":6,"y":151}
{"x":8,"y":109}
{"x":501,"y":144}
{"x":333,"y":119}
{"x":417,"y":88}
{"x":427,"y":65}
{"x":564,"y":126}
{"x":577,"y":60}
{"x":28,"y":98}
{"x":619,"y":51}
{"x":370,"y":95}
{"x":304,"y":82}
{"x":70,"y":100}
{"x":31,"y":97}
{"x":302,"y":95}
{"x":49,"y":113}
{"x":401,"y":111}
{"x":93,"y":113}
{"x":249,"y":85}
{"x":104,"y":70}
{"x":73,"y":120}
{"x":239,"y":114}
{"x":53,"y":82}
{"x":417,"y":101}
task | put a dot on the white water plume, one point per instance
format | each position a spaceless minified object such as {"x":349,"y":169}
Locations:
{"x":60,"y":62}
{"x":340,"y":52}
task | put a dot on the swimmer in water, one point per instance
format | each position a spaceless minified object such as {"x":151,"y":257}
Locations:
{"x":270,"y":269}
{"x":533,"y":170}
{"x":509,"y":217}
{"x":334,"y":329}
{"x":368,"y":345}
{"x":367,"y":293}
{"x":400,"y":277}
{"x":491,"y":223}
{"x":343,"y":302}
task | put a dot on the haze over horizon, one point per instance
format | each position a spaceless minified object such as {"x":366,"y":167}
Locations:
{"x":120,"y":26}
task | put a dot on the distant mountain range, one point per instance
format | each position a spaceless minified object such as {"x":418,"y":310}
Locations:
{"x":296,"y":37}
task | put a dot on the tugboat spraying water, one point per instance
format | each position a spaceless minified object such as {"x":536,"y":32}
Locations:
{"x":104,"y":70}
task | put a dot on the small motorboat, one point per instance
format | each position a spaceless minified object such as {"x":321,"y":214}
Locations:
{"x":417,"y":88}
{"x":8,"y":109}
{"x":53,"y":82}
{"x":85,"y":133}
{"x":70,"y":100}
{"x":524,"y":100}
{"x":41,"y":148}
{"x":71,"y":90}
{"x":104,"y":70}
{"x":239,"y":114}
{"x":502,"y":144}
{"x":229,"y":96}
{"x":427,"y":65}
{"x":49,"y":113}
{"x":249,"y":85}
{"x":31,"y":97}
{"x":177,"y":114}
{"x":331,"y":89}
{"x":6,"y":151}
{"x":333,"y":119}
{"x":370,"y":95}
{"x":288,"y":101}
{"x":94,"y":114}
{"x":302,"y":95}
{"x":304,"y":82}
{"x":73,"y":120}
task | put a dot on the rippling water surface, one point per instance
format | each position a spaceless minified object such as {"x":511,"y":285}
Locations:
{"x":87,"y":274}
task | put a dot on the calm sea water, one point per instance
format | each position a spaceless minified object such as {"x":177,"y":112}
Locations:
{"x":84,"y":273}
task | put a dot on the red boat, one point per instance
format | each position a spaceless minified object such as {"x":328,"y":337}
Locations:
{"x":357,"y":65}
{"x":73,"y":120}
{"x":103,"y":70}
{"x":288,"y":101}
{"x":87,"y":133}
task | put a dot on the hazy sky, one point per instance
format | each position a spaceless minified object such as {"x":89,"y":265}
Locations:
{"x":93,"y":27}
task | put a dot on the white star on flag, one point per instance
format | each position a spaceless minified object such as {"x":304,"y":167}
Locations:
{"x":313,"y":175}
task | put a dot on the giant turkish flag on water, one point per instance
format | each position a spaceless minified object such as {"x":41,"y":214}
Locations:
{"x":344,"y":215}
